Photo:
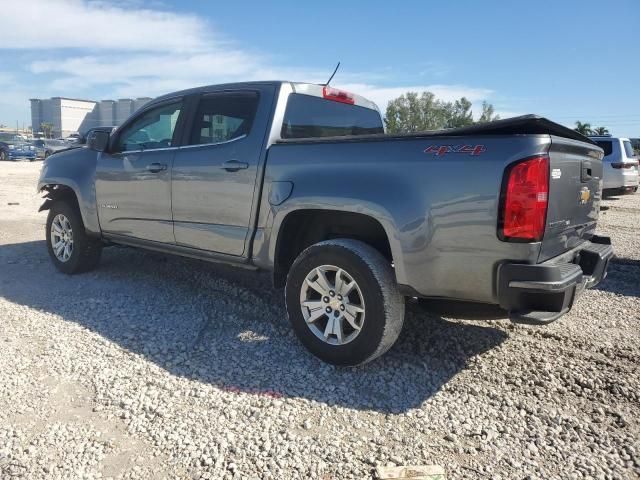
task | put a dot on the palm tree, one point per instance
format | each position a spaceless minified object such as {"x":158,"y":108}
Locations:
{"x":47,"y":129}
{"x":583,"y":128}
{"x":601,"y":131}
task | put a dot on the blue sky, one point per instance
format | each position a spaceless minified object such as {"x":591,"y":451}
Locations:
{"x":567,"y":60}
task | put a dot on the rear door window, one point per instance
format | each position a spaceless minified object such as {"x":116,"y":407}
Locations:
{"x":308,"y":116}
{"x":607,"y":146}
{"x":628,"y":149}
{"x":222,"y":117}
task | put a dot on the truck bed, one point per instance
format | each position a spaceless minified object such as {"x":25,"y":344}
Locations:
{"x":441,"y":208}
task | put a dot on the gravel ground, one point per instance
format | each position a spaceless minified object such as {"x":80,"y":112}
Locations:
{"x":160,"y":367}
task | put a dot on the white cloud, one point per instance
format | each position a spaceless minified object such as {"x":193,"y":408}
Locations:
{"x":125,"y":48}
{"x":53,"y":24}
{"x":152,"y":74}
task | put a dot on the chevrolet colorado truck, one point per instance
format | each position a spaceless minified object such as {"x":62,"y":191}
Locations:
{"x":301,"y":180}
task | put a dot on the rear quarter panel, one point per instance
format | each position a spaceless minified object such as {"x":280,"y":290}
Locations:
{"x":439,"y":212}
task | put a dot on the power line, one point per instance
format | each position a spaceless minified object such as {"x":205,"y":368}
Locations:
{"x":601,"y":115}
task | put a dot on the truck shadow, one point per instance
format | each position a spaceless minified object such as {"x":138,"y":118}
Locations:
{"x":622,"y":277}
{"x":228,"y":327}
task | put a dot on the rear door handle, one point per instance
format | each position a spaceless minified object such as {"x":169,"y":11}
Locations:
{"x":234,"y":166}
{"x":156,"y":167}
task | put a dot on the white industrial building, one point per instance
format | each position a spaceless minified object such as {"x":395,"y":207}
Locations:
{"x":71,"y":115}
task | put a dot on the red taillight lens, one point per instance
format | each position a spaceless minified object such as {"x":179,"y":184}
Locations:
{"x":526,"y":197}
{"x":338,"y":95}
{"x":624,"y":165}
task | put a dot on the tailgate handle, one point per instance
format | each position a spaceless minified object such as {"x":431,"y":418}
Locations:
{"x":585,"y":174}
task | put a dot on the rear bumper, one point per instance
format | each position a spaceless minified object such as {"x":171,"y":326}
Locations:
{"x":539,"y":294}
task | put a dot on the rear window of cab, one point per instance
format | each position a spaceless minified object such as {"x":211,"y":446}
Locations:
{"x":307,"y":116}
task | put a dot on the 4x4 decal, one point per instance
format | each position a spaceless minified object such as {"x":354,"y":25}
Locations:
{"x":440,"y":150}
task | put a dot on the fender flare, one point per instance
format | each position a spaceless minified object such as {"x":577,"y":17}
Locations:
{"x":374,"y":211}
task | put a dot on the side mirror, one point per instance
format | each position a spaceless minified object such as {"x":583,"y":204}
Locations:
{"x":98,"y":141}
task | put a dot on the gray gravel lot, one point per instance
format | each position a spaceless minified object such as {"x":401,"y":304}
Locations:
{"x":161,"y":367}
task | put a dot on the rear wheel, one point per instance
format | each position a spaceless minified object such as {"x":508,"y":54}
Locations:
{"x":70,"y":249}
{"x":343,"y":302}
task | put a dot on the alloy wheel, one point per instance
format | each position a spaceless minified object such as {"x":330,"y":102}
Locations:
{"x":61,"y":237}
{"x":332,"y":305}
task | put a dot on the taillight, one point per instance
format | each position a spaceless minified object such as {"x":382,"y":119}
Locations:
{"x":525,"y":198}
{"x":624,"y":165}
{"x":338,"y":95}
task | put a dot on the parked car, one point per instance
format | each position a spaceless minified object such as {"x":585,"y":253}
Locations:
{"x":46,"y":147}
{"x":300,"y":180}
{"x":15,"y":147}
{"x":73,"y":138}
{"x":620,"y":165}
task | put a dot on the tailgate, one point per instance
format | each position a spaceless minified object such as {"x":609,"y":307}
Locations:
{"x":575,"y":182}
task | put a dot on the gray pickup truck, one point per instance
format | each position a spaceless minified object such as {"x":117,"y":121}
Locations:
{"x":300,"y":179}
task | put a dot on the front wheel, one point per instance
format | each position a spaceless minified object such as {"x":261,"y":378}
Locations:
{"x":343,"y":302}
{"x":70,"y":249}
{"x":3,"y":156}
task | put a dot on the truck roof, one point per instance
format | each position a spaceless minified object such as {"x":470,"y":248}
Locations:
{"x":313,"y":89}
{"x":607,"y":137}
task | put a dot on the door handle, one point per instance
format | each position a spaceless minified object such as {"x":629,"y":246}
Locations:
{"x":234,"y":166}
{"x":156,"y":167}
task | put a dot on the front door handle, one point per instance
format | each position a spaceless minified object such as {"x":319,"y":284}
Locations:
{"x":156,"y":167}
{"x":234,"y":166}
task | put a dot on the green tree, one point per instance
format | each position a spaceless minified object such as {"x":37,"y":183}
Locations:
{"x":413,"y":112}
{"x":459,"y":113}
{"x":600,"y":131}
{"x":583,"y":128}
{"x":488,"y":114}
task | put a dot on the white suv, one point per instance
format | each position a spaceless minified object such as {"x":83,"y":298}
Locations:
{"x":620,"y":166}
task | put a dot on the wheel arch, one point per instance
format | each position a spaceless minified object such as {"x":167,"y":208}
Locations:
{"x":57,"y":190}
{"x":299,"y":228}
{"x":73,"y":171}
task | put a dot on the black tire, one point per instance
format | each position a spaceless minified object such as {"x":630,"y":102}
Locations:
{"x":3,"y":156}
{"x":374,"y":275}
{"x":86,"y":251}
{"x":46,"y":154}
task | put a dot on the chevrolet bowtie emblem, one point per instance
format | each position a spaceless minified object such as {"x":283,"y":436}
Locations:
{"x":585,"y":195}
